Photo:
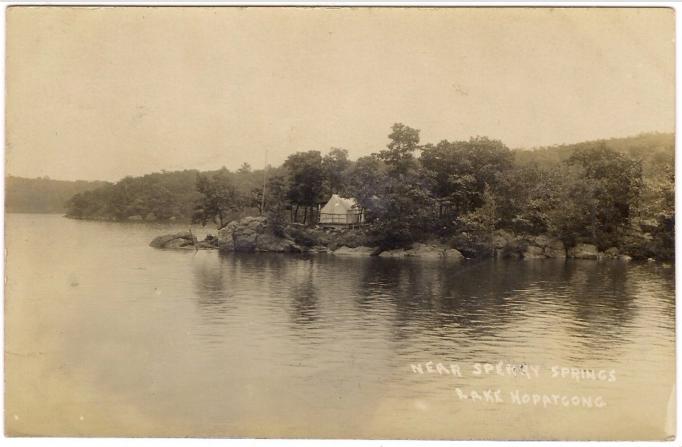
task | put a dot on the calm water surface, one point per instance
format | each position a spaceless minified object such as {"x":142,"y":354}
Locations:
{"x":106,"y":336}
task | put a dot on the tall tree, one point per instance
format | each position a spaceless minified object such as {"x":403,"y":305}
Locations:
{"x":366,"y":179}
{"x":399,"y":155}
{"x":458,"y":172}
{"x":483,"y":220}
{"x":602,"y":187}
{"x":334,"y":164}
{"x":219,"y":198}
{"x":306,"y":181}
{"x":402,"y":211}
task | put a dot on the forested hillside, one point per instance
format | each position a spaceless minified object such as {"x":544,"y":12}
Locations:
{"x":655,"y":149}
{"x":42,"y":195}
{"x":161,"y":195}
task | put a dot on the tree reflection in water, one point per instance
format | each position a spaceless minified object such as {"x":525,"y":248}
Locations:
{"x":579,"y":302}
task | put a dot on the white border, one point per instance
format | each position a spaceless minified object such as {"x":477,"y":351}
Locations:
{"x":59,"y":442}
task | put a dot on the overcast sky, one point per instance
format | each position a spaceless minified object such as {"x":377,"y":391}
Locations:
{"x":100,"y":93}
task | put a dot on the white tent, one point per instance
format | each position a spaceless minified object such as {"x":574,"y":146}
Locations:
{"x":340,"y":211}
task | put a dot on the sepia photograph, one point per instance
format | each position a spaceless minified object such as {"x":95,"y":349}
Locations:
{"x":316,"y":222}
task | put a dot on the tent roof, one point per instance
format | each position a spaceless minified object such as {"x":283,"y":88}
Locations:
{"x":338,"y":204}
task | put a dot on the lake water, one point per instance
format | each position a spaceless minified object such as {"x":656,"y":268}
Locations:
{"x":107,"y":336}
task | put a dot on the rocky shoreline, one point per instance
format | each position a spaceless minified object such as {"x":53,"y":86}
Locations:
{"x":253,"y":234}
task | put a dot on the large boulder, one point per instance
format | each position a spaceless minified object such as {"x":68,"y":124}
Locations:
{"x":424,"y":251}
{"x":209,"y":242}
{"x":472,"y":245}
{"x":502,"y":238}
{"x":270,"y":242}
{"x":453,"y":254}
{"x":256,"y":224}
{"x":354,"y":251}
{"x":304,"y":236}
{"x":395,"y":253}
{"x":244,"y":239}
{"x":225,"y":233}
{"x":612,"y":253}
{"x":541,"y":241}
{"x":242,"y":235}
{"x":583,"y":251}
{"x":555,"y":249}
{"x":251,"y":234}
{"x":533,"y":252}
{"x":178,"y":240}
{"x":226,"y":245}
{"x":513,"y":249}
{"x":346,"y":237}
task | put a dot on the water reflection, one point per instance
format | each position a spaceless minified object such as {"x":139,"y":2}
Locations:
{"x":303,"y":293}
{"x":211,"y":286}
{"x":349,"y":322}
{"x":580,"y":303}
{"x":599,"y":307}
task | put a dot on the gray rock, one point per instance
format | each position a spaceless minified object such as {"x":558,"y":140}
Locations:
{"x":583,"y":251}
{"x":556,"y":244}
{"x":272,"y":243}
{"x":315,"y":249}
{"x":541,"y":241}
{"x":424,"y":251}
{"x":514,"y":248}
{"x":176,"y":240}
{"x":356,"y":251}
{"x":625,"y":258}
{"x":396,"y":253}
{"x":555,"y":249}
{"x":225,"y":233}
{"x":244,"y":239}
{"x":226,"y":245}
{"x":612,"y":252}
{"x":242,"y":235}
{"x":255,"y":224}
{"x":502,"y":238}
{"x":179,"y":243}
{"x":533,"y":252}
{"x":453,"y":254}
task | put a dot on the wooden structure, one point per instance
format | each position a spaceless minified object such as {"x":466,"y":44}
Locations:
{"x":339,"y":211}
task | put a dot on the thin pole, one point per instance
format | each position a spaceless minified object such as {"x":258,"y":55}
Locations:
{"x":265,"y":177}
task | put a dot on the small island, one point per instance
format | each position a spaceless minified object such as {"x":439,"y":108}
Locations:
{"x":452,"y":200}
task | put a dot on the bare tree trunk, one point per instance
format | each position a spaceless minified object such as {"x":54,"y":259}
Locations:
{"x":296,"y":214}
{"x":305,"y":214}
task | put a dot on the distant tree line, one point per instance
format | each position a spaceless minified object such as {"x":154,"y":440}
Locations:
{"x":43,"y":194}
{"x":617,"y":192}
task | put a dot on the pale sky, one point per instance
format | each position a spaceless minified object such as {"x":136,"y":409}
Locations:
{"x":100,"y":93}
